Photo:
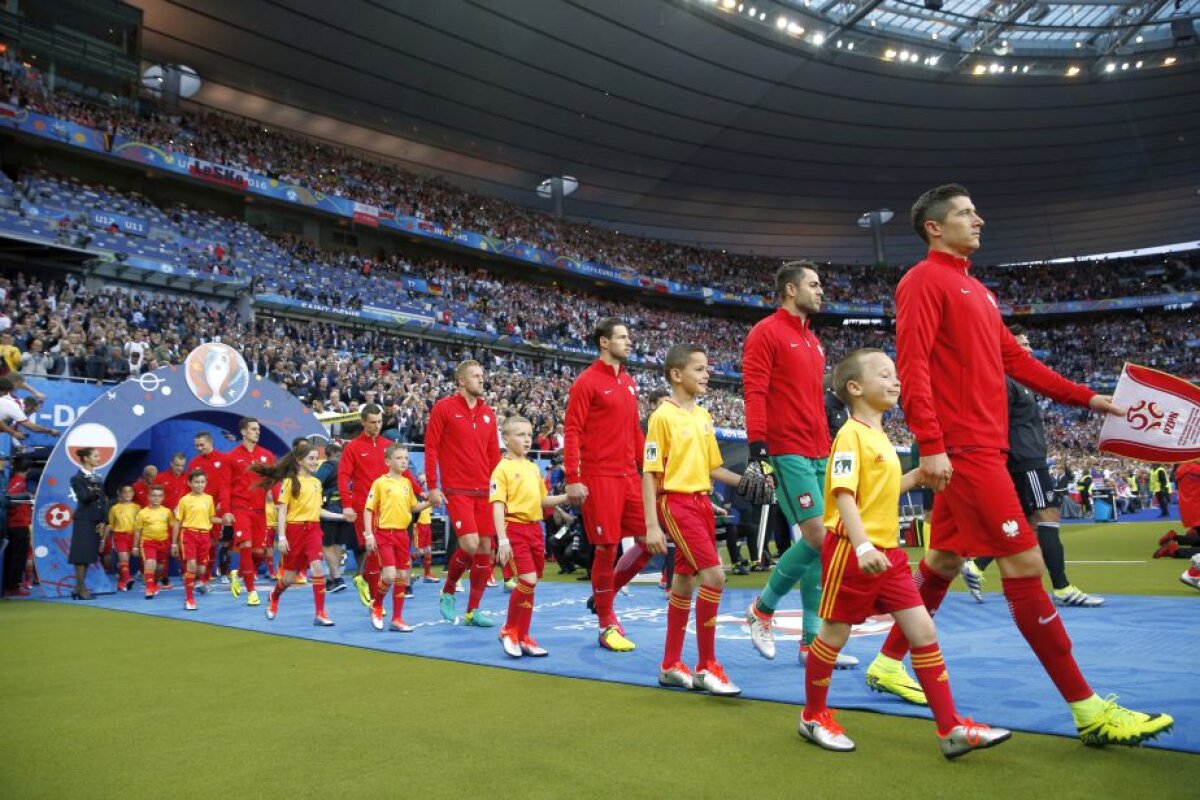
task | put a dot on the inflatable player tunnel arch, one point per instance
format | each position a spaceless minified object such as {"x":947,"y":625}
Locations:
{"x":213,"y":387}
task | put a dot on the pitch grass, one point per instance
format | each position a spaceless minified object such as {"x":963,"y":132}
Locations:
{"x":104,"y":704}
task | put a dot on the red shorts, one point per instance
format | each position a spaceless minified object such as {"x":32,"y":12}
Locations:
{"x":850,"y":595}
{"x":196,"y":545}
{"x":156,"y":550}
{"x":304,"y":545}
{"x":469,"y":514}
{"x":393,"y":548}
{"x":424,"y":536}
{"x":122,"y":542}
{"x":250,"y":529}
{"x":613,"y":509}
{"x":979,"y":513}
{"x":528,"y":546}
{"x":688,"y":519}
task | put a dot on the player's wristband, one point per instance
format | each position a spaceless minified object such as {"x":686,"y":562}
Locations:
{"x":864,"y":548}
{"x":502,"y":541}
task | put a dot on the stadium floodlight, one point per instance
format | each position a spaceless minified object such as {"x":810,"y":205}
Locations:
{"x":167,"y":79}
{"x":556,"y":189}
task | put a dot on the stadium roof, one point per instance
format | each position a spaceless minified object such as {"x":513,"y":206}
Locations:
{"x":693,"y":121}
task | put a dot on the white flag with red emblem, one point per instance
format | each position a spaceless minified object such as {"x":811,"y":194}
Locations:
{"x":1162,"y":420}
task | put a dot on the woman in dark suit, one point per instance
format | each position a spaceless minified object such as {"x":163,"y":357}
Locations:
{"x":90,"y":519}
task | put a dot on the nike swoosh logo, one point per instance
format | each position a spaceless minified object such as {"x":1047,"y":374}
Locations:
{"x":607,"y":391}
{"x":795,"y":344}
{"x":1047,"y":620}
{"x":965,"y":291}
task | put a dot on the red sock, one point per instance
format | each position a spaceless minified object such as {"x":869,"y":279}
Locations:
{"x":379,"y":591}
{"x":630,"y":564}
{"x":427,"y":563}
{"x":460,"y":562}
{"x":708,"y":600}
{"x":318,"y":584}
{"x":520,"y":607}
{"x":679,"y":608}
{"x":247,"y":567}
{"x":279,"y":589}
{"x":372,"y":568}
{"x":932,"y":588}
{"x":123,"y":572}
{"x":930,"y":668}
{"x":602,"y":583}
{"x":481,"y":570}
{"x":151,"y":583}
{"x":189,"y":587}
{"x":818,"y":672}
{"x":1041,"y":625}
{"x":398,"y":600}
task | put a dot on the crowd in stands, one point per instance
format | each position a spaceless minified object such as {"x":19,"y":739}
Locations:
{"x":59,"y":328}
{"x":361,"y":177}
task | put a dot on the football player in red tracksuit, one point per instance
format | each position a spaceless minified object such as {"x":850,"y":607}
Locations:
{"x":601,"y":455}
{"x":463,"y":440}
{"x":247,"y":504}
{"x":212,"y":464}
{"x":141,"y":488}
{"x":363,"y":461}
{"x":953,"y":352}
{"x":175,"y":485}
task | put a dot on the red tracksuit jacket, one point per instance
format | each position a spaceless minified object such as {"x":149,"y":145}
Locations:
{"x":243,"y":494}
{"x":783,"y":369}
{"x":602,"y":434}
{"x":463,"y":443}
{"x":953,"y":351}
{"x":216,"y":469}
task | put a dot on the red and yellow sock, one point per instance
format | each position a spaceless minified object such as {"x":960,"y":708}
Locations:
{"x":930,"y":669}
{"x":522,"y":598}
{"x":708,"y":600}
{"x":151,"y":583}
{"x":1040,"y":624}
{"x":427,"y":564}
{"x":189,"y":587}
{"x":818,"y":672}
{"x":398,"y":599}
{"x":679,"y":608}
{"x":318,"y":584}
{"x":123,"y":572}
{"x":932,"y":588}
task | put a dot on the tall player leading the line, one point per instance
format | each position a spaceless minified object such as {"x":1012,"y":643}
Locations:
{"x":953,"y":352}
{"x":462,"y":447}
{"x":602,"y":449}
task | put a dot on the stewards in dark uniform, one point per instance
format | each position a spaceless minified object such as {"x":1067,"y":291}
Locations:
{"x":90,"y":518}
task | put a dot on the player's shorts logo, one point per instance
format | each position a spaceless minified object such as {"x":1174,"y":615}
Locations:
{"x":216,"y":374}
{"x":805,"y":500}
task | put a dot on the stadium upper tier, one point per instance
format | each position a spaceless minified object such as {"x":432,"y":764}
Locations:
{"x":246,"y":157}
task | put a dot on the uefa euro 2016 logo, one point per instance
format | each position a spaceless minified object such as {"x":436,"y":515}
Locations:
{"x":216,"y":374}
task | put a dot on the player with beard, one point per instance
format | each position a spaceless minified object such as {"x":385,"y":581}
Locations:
{"x":602,"y":453}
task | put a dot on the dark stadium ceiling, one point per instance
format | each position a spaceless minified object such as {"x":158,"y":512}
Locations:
{"x":691,"y":121}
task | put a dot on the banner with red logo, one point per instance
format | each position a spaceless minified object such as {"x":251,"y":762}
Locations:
{"x":366,"y":215}
{"x":1162,"y":421}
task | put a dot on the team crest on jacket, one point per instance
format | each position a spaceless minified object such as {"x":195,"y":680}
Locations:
{"x":1010,"y":528}
{"x":487,"y":418}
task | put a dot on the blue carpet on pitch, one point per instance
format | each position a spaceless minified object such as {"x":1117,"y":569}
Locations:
{"x":1142,"y":648}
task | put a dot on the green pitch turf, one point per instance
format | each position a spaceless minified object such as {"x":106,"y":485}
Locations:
{"x":101,"y":704}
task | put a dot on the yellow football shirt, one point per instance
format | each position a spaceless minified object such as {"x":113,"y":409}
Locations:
{"x":196,"y":511}
{"x":306,"y":507}
{"x":391,"y":501}
{"x":122,"y":516}
{"x":154,"y":523}
{"x":517,"y":483}
{"x":682,"y":446}
{"x":11,"y":356}
{"x":426,"y":516}
{"x":864,"y":461}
